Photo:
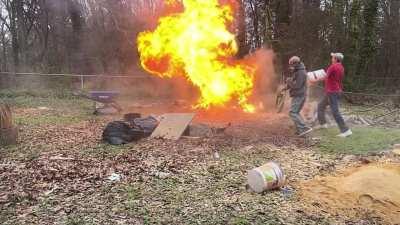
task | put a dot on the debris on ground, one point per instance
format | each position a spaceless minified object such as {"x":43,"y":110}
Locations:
{"x":43,"y":108}
{"x":173,"y":125}
{"x":349,"y":158}
{"x":115,"y":177}
{"x":147,"y":124}
{"x":132,"y":129}
{"x":121,"y":132}
{"x":396,"y":149}
{"x":59,"y":173}
{"x":376,"y":115}
{"x":199,"y":130}
{"x":267,"y":177}
{"x":357,"y":120}
{"x":247,"y":148}
{"x":287,"y":192}
{"x":162,"y":175}
{"x":216,"y":155}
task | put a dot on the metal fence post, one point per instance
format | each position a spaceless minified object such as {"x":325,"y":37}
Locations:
{"x":82,"y":84}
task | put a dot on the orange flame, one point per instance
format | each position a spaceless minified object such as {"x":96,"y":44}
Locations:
{"x":197,"y":44}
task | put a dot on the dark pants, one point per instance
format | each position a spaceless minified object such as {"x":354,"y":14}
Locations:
{"x":295,"y":109}
{"x":331,"y":99}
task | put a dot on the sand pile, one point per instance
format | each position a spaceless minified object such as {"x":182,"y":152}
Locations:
{"x":374,"y":189}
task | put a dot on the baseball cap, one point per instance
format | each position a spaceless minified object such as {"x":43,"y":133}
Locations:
{"x":294,"y":60}
{"x":338,"y":55}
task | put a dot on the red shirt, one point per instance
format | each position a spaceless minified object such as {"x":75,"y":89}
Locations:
{"x":334,"y":78}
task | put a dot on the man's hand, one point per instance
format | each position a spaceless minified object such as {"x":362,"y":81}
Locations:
{"x":283,"y":89}
{"x":289,"y":82}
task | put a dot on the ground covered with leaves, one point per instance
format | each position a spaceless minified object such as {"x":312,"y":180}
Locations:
{"x":59,"y":171}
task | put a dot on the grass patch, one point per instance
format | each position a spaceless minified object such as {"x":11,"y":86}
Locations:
{"x":55,"y":93}
{"x":22,"y":154}
{"x":104,"y":150}
{"x":7,"y":216}
{"x":49,"y":119}
{"x":56,"y":103}
{"x":240,"y":221}
{"x":60,"y":99}
{"x":60,"y":109}
{"x":77,"y":220}
{"x":363,"y":140}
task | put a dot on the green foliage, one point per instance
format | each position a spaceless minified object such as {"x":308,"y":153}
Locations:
{"x":369,"y":40}
{"x":339,"y":29}
{"x":353,"y":40}
{"x":313,"y":29}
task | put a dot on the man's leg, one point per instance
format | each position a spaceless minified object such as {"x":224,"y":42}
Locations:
{"x":334,"y":104}
{"x":321,"y":110}
{"x":296,"y":106}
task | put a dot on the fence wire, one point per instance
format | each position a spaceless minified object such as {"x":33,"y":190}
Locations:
{"x":119,"y":76}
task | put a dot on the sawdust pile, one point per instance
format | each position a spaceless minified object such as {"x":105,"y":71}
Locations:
{"x":372,"y":189}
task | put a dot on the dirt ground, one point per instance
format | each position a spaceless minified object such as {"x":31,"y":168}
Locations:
{"x":59,"y":174}
{"x":367,"y":188}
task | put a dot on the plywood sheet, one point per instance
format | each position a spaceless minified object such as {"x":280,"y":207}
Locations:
{"x":173,"y":125}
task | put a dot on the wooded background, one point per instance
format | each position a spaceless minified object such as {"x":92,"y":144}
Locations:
{"x":99,"y":36}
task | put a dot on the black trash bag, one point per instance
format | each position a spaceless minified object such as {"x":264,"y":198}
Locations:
{"x":120,"y":132}
{"x":147,"y":124}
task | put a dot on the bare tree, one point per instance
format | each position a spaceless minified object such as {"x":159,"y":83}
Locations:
{"x":99,"y":36}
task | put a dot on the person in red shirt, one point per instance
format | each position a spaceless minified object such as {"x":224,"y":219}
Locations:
{"x":333,"y":90}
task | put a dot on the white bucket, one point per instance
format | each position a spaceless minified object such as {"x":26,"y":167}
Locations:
{"x":267,"y":177}
{"x":316,"y":75}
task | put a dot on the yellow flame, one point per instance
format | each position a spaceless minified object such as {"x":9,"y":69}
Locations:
{"x":197,"y":44}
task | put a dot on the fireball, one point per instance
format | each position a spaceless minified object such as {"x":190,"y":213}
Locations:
{"x":196,"y":43}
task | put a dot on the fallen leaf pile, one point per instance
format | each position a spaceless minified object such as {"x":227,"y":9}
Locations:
{"x":59,"y":173}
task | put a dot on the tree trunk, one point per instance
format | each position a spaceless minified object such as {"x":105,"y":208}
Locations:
{"x":297,"y":8}
{"x":75,"y":14}
{"x":12,"y":11}
{"x":368,"y":45}
{"x":241,"y":31}
{"x":4,"y":55}
{"x":21,"y":32}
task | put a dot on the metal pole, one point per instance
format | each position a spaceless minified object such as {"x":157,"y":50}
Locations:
{"x":82,"y":84}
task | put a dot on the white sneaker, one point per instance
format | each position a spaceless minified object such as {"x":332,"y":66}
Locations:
{"x":345,"y":134}
{"x":319,"y":127}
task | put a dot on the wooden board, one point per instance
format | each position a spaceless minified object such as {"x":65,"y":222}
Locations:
{"x":173,"y":125}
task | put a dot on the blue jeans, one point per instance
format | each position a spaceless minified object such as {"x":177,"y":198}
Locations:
{"x":295,"y":109}
{"x":331,"y":99}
